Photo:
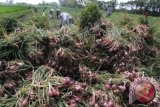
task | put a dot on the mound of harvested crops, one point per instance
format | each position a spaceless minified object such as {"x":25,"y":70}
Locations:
{"x":95,"y":69}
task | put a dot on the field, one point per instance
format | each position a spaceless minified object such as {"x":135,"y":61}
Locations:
{"x":10,"y":9}
{"x":7,"y":11}
{"x":117,"y":17}
{"x":42,"y":65}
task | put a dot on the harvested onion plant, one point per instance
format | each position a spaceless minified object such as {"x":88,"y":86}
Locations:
{"x":40,"y":68}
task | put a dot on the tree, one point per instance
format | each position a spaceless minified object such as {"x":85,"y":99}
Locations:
{"x":71,"y":3}
{"x":101,"y":4}
{"x":10,"y":1}
{"x":153,"y":6}
{"x":43,"y":3}
{"x":75,"y":3}
{"x":63,"y":2}
{"x":85,"y":2}
{"x":114,"y":3}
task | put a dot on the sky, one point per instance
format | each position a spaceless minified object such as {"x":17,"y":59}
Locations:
{"x":40,"y":1}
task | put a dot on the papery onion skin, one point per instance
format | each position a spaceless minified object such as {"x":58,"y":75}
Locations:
{"x":23,"y":102}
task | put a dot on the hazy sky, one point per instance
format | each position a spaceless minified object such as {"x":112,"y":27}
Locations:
{"x":40,"y":1}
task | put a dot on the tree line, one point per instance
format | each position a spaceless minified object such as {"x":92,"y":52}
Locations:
{"x":136,"y":6}
{"x":140,"y":6}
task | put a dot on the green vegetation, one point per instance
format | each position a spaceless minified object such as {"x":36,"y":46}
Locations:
{"x":9,"y":24}
{"x":9,"y":9}
{"x":9,"y":16}
{"x":116,"y":17}
{"x":42,"y":67}
{"x":89,"y":15}
{"x":41,"y":22}
{"x":75,"y":13}
{"x":150,"y":6}
{"x":152,"y":22}
{"x":15,"y":12}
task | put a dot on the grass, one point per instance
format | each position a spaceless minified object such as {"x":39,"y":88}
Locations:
{"x":16,"y":12}
{"x":74,"y":13}
{"x":116,"y":17}
{"x":9,"y":9}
